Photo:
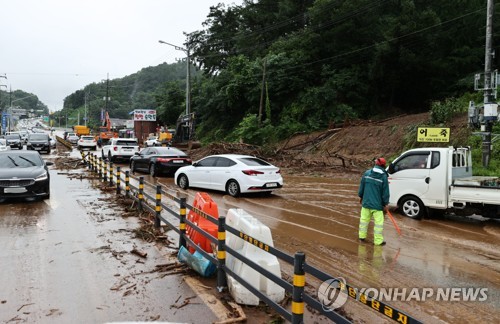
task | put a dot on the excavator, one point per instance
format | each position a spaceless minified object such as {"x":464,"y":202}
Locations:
{"x":184,"y":135}
{"x":105,"y":133}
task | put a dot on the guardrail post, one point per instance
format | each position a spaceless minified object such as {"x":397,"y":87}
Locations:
{"x":221,"y":254}
{"x":105,"y":170}
{"x":299,"y":281}
{"x":91,"y":162}
{"x":83,"y":157}
{"x":158,"y":207}
{"x":111,"y":173}
{"x":118,"y":180}
{"x":99,"y":167}
{"x":127,"y":183}
{"x":141,"y":190}
{"x":182,"y":222}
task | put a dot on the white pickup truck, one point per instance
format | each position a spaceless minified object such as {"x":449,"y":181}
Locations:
{"x":120,"y":148}
{"x":428,"y":179}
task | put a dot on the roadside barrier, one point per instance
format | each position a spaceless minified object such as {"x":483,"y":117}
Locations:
{"x":64,"y":142}
{"x":166,"y":214}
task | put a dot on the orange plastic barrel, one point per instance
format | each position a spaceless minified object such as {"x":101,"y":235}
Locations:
{"x":203,"y":202}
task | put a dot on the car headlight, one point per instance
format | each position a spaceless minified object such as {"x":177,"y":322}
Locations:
{"x":43,"y":176}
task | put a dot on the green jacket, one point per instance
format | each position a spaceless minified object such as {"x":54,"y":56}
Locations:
{"x":374,"y":188}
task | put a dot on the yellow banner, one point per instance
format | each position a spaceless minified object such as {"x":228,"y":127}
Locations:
{"x":433,"y":134}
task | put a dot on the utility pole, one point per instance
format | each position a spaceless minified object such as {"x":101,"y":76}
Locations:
{"x":188,"y":73}
{"x":261,"y":106}
{"x":490,"y":108}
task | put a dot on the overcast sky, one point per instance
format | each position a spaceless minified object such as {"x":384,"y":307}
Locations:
{"x":52,"y":48}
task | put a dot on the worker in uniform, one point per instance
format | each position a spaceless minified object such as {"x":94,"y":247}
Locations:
{"x":374,"y":198}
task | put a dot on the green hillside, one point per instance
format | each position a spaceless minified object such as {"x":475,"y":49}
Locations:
{"x":267,"y":69}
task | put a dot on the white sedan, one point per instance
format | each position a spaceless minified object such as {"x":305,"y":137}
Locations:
{"x":87,"y":142}
{"x":231,"y":173}
{"x":152,"y":141}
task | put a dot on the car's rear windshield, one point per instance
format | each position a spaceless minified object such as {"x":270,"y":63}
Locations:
{"x":39,"y":137}
{"x":12,"y":160}
{"x":126,"y":143}
{"x":12,"y":136}
{"x":87,"y":138}
{"x":254,"y":162}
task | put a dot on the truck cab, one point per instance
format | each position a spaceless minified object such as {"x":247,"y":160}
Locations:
{"x":419,"y":179}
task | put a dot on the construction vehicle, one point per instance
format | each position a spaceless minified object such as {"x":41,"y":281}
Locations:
{"x":81,"y":130}
{"x":184,"y":136}
{"x":105,"y":132}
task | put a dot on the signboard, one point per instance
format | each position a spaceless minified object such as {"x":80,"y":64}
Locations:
{"x":4,"y":122}
{"x":433,"y":134}
{"x":144,"y":115}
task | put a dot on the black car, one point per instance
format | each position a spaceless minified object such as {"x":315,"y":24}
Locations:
{"x":14,"y":141}
{"x":38,"y":142}
{"x":23,"y":174}
{"x":156,"y":160}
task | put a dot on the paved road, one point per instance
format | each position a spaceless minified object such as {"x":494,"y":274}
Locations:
{"x":68,"y":260}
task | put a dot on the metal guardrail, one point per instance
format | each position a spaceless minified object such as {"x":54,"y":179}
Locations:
{"x":300,"y":298}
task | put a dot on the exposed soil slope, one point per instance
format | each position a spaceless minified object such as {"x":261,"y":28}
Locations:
{"x":344,"y":151}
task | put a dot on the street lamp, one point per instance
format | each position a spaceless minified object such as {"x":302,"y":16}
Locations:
{"x":188,"y":74}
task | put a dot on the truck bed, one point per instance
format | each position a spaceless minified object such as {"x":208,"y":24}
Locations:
{"x":482,"y":190}
{"x":477,"y":182}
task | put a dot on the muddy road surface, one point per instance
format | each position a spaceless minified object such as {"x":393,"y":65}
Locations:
{"x":453,"y":258}
{"x":62,"y":257}
{"x":69,"y":260}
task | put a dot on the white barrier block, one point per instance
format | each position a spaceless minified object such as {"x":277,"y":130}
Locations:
{"x":246,"y":223}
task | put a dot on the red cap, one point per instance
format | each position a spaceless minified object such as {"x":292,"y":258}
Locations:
{"x":380,"y":161}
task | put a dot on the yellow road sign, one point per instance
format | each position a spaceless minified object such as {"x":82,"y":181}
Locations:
{"x":433,"y":134}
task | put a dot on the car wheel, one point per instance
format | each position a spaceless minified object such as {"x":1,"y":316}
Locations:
{"x":412,"y":207}
{"x":152,"y":170}
{"x":94,"y":148}
{"x":233,"y":188}
{"x":183,"y":181}
{"x":102,"y":155}
{"x":110,"y":157}
{"x":132,"y":166}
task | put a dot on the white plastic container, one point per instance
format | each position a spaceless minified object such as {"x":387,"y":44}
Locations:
{"x":246,"y":223}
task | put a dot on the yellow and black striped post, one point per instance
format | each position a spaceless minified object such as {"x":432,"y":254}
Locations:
{"x":83,"y":157}
{"x":105,"y":170}
{"x":111,"y":175}
{"x":158,"y":207}
{"x":99,"y":167}
{"x":118,"y":180}
{"x":299,"y":281}
{"x":221,"y":254}
{"x":127,"y":183}
{"x":92,"y":162}
{"x":141,"y":190}
{"x":182,"y":222}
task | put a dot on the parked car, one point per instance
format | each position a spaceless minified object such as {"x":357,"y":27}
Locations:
{"x":157,"y":160}
{"x":38,"y":142}
{"x":14,"y":140}
{"x":232,"y":173}
{"x":72,"y":138}
{"x":87,"y":141}
{"x":24,"y":174}
{"x":3,"y":144}
{"x":152,"y":141}
{"x":120,"y":149}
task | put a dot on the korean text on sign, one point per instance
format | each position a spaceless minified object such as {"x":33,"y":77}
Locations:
{"x":145,"y":114}
{"x":433,"y":134}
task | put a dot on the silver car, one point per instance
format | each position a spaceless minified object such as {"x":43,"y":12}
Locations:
{"x":72,"y":138}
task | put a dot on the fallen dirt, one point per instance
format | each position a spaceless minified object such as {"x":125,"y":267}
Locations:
{"x":344,"y":151}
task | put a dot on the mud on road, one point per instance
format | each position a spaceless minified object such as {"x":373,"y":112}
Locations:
{"x":314,"y":214}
